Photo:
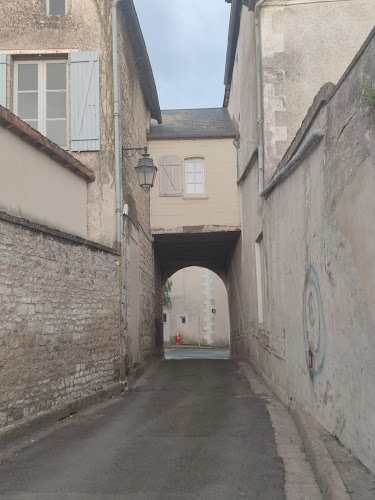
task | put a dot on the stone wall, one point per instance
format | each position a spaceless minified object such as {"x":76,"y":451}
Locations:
{"x":59,"y":319}
{"x":316,"y":341}
{"x":140,"y":293}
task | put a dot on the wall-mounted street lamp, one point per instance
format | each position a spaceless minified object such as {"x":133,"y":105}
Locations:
{"x":146,"y":170}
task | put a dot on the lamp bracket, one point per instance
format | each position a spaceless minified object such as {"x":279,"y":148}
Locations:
{"x":126,"y":151}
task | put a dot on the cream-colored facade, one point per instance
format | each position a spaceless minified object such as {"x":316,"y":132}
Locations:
{"x":199,"y":312}
{"x":35,"y":187}
{"x":218,"y":205}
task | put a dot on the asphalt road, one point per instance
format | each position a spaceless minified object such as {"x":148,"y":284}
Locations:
{"x":194,"y":430}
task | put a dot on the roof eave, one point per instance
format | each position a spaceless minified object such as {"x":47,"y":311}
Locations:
{"x":233,"y":32}
{"x":142,"y":59}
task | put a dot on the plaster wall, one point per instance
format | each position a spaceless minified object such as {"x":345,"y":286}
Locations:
{"x":220,"y":204}
{"x":304,"y":45}
{"x":35,"y":187}
{"x":316,"y":342}
{"x":25,"y":29}
{"x":242,"y":99}
{"x":195,"y":293}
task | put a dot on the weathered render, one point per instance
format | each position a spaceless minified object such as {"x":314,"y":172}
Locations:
{"x":312,"y":339}
{"x":304,"y":44}
{"x":101,"y":301}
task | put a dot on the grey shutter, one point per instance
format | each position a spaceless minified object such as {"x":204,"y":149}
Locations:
{"x":3,"y":80}
{"x":85,"y":101}
{"x":170,"y":175}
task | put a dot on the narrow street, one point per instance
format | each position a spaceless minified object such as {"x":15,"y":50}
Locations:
{"x":194,"y":429}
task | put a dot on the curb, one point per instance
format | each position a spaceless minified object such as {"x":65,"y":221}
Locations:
{"x":326,"y":473}
{"x":19,"y":431}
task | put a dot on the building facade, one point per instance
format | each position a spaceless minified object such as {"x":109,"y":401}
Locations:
{"x":56,"y":74}
{"x":199,"y":312}
{"x":303,"y":313}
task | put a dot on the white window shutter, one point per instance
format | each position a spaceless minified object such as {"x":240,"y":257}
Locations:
{"x":170,"y":175}
{"x":85,"y":101}
{"x":3,"y":80}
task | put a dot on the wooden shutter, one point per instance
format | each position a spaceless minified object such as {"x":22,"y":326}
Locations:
{"x":170,"y":175}
{"x":85,"y":101}
{"x":3,"y":80}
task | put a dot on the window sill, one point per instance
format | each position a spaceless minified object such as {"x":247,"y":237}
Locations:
{"x":170,"y":195}
{"x":195,"y":197}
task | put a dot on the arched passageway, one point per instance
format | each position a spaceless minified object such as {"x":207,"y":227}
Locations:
{"x":210,"y":248}
{"x":197,"y":310}
{"x":201,"y":246}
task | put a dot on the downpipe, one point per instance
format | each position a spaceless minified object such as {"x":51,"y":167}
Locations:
{"x":258,"y":56}
{"x":311,"y":142}
{"x":116,"y":117}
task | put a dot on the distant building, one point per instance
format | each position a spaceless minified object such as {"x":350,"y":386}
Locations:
{"x":199,"y":312}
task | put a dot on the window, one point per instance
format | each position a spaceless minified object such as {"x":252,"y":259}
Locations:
{"x":194,"y":176}
{"x":260,"y":276}
{"x":182,"y":320}
{"x":41,"y":97}
{"x":56,"y":7}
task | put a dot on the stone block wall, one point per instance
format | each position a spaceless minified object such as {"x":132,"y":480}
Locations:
{"x":59,"y":319}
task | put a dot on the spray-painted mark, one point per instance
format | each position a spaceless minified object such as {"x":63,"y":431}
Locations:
{"x":314,"y":329}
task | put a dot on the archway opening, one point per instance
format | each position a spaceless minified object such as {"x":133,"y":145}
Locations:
{"x":196,"y":316}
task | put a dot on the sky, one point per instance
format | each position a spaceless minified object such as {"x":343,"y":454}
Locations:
{"x":186,"y":42}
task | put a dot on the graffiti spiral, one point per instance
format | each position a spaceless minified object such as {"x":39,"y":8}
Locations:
{"x":313,"y":323}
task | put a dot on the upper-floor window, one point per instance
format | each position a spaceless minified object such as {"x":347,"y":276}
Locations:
{"x":194,"y":176}
{"x":41,"y":97}
{"x":56,"y":7}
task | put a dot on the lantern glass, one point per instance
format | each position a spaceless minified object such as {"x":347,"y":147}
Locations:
{"x":146,"y":172}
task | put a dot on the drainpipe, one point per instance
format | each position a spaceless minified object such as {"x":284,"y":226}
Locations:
{"x":236,"y":144}
{"x":258,"y":49}
{"x":116,"y":115}
{"x":311,"y":142}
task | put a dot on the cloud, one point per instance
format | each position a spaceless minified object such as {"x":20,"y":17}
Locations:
{"x":186,"y":41}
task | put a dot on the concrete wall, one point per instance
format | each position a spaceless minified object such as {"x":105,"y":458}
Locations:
{"x":36,"y":187}
{"x":195,"y":293}
{"x":315,"y":345}
{"x":219,"y":205}
{"x":59,"y":320}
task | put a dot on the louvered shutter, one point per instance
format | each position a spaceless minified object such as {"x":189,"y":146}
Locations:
{"x":3,"y":79}
{"x":85,"y":101}
{"x":170,"y":175}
